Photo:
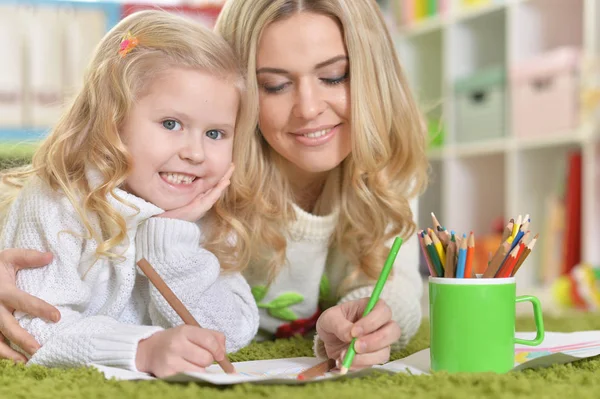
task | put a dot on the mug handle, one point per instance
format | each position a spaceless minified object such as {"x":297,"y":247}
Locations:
{"x":539,"y":321}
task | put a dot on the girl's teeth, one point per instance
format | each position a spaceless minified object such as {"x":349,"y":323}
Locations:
{"x":177,"y":178}
{"x":314,"y":135}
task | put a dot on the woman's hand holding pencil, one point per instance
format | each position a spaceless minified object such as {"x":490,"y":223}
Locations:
{"x":448,"y":255}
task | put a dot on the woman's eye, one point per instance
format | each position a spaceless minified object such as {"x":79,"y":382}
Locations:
{"x":335,"y":81}
{"x":171,"y":124}
{"x":274,"y":88}
{"x":214,"y":134}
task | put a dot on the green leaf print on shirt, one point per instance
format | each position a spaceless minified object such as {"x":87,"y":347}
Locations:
{"x":326,"y":300}
{"x":278,"y":307}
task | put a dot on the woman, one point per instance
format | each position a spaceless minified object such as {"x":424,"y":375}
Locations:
{"x":325,"y":181}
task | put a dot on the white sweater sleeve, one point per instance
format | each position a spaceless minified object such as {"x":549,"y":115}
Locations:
{"x":42,"y":221}
{"x":221,"y":302}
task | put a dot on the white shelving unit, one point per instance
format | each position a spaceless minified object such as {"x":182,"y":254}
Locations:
{"x":472,"y":184}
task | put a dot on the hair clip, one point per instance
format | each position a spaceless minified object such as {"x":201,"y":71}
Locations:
{"x":128,"y":43}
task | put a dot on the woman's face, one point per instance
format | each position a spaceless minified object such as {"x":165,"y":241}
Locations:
{"x":302,"y":72}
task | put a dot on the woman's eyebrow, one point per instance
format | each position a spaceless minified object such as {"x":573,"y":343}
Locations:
{"x":320,"y":65}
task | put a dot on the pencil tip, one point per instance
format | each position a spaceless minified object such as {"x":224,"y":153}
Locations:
{"x":343,"y":370}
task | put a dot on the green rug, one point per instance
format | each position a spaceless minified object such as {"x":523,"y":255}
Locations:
{"x":577,"y":380}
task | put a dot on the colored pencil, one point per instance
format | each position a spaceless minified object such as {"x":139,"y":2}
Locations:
{"x":497,"y":259}
{"x":383,"y":275}
{"x":525,"y":254}
{"x":516,"y":227}
{"x":508,"y":230}
{"x":438,"y":247}
{"x":469,"y":272}
{"x":509,"y":263}
{"x":462,"y":257}
{"x":430,"y":266}
{"x":450,"y":259}
{"x":176,"y":304}
{"x":317,"y":370}
{"x":433,"y":256}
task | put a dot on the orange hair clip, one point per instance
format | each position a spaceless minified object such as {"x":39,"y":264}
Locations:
{"x":128,"y":43}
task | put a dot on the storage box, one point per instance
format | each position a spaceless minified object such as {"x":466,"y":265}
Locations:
{"x":480,"y":105}
{"x":545,"y":93}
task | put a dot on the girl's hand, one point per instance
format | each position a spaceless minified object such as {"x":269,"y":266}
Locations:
{"x":375,"y":333}
{"x":180,"y":349}
{"x":202,"y":203}
{"x":12,"y":298}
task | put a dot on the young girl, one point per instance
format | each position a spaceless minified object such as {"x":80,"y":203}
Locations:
{"x":151,"y":131}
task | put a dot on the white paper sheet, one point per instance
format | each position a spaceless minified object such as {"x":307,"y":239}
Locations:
{"x":557,"y":348}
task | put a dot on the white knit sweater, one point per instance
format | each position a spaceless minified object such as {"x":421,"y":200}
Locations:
{"x":315,"y":271}
{"x":108,"y":306}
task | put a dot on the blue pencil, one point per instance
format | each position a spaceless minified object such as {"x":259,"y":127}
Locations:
{"x":462,"y":258}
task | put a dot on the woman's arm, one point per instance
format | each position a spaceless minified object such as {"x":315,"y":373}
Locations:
{"x":218,"y":301}
{"x":12,"y":298}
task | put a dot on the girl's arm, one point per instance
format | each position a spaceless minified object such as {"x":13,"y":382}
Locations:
{"x":218,"y":301}
{"x":40,"y":219}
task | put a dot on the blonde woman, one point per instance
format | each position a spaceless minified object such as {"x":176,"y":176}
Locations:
{"x":325,"y":180}
{"x":141,"y":138}
{"x":337,"y":155}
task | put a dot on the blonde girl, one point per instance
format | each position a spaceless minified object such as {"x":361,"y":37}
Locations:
{"x":144,"y":150}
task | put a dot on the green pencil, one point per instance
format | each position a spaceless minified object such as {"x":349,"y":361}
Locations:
{"x":385,"y":272}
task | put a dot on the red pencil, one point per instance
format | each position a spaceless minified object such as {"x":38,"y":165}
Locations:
{"x":509,"y":262}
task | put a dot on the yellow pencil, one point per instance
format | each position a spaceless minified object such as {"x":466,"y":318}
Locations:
{"x":438,"y":247}
{"x":516,"y":227}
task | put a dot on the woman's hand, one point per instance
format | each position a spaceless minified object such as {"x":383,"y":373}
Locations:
{"x":12,"y":298}
{"x":375,"y":333}
{"x":180,"y":349}
{"x":194,"y":211}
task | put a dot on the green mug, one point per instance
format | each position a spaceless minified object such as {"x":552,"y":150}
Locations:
{"x":472,"y":324}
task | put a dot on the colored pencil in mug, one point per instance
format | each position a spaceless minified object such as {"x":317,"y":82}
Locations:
{"x":516,"y":227}
{"x":525,"y":254}
{"x":509,"y":263}
{"x":497,"y":259}
{"x":433,"y":255}
{"x":385,"y":272}
{"x":450,"y":269}
{"x":469,"y":272}
{"x":462,"y":258}
{"x":428,"y":261}
{"x":177,"y":305}
{"x":508,"y":230}
{"x":438,"y":247}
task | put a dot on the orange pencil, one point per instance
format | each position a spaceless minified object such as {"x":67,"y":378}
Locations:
{"x":525,"y":254}
{"x":470,"y":253}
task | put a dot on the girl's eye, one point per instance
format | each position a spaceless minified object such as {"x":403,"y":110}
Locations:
{"x":214,"y":134}
{"x":171,"y":124}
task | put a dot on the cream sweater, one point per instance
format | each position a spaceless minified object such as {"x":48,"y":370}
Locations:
{"x":108,"y":306}
{"x":312,"y":277}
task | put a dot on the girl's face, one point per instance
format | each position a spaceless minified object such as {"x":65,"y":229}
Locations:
{"x":302,"y":71}
{"x":180,"y":136}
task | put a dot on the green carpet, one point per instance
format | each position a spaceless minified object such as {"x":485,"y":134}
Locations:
{"x":577,"y":380}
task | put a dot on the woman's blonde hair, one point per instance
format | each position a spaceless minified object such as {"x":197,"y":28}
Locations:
{"x":387,"y":165}
{"x":87,"y":134}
